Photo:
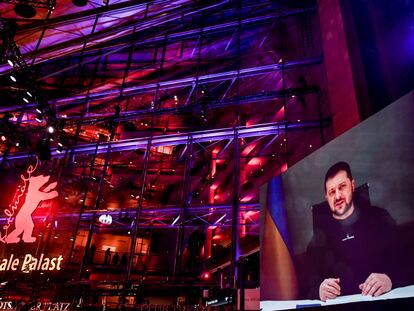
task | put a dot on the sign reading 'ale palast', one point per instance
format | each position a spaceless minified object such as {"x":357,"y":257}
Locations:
{"x":31,"y":263}
{"x":27,"y":198}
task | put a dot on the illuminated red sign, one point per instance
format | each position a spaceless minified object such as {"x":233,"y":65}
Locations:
{"x":23,"y":222}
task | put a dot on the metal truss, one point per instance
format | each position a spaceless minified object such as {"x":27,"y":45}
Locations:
{"x":181,"y":139}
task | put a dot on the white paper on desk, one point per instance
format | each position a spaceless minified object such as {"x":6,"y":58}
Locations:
{"x":400,"y":292}
{"x":349,"y":298}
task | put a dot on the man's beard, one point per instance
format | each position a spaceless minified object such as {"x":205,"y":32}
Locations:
{"x":344,"y":211}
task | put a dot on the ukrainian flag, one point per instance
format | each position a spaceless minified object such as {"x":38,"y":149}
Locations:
{"x":278,"y":279}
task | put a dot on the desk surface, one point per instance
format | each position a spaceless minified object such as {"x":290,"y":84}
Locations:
{"x":270,"y":305}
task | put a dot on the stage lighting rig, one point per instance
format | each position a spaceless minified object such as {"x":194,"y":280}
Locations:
{"x":27,"y":90}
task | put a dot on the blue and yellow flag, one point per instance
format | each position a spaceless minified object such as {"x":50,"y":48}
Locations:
{"x":278,"y":279}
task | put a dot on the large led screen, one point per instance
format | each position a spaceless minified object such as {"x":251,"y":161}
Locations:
{"x":343,"y":236}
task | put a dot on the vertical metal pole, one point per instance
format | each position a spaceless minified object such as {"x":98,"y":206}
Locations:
{"x":183,"y":209}
{"x":83,"y":205}
{"x":138,"y":211}
{"x":97,"y":204}
{"x":144,"y":177}
{"x":235,"y":250}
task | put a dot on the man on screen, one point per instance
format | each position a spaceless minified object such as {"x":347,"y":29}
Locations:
{"x":354,"y":248}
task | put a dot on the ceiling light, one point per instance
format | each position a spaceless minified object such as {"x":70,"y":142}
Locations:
{"x":175,"y":220}
{"x":59,"y":148}
{"x":220,"y":219}
{"x":28,"y":93}
{"x":3,"y":138}
{"x":26,"y":100}
{"x":10,"y":63}
{"x":50,"y":129}
{"x":13,"y":78}
{"x":39,"y":117}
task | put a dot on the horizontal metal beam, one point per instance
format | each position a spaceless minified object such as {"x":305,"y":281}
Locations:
{"x":217,"y":77}
{"x":182,"y":138}
{"x":208,"y":78}
{"x":183,"y":35}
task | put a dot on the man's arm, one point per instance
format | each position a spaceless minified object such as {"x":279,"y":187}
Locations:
{"x":391,"y":267}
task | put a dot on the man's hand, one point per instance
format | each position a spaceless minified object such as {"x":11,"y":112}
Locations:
{"x":376,"y":284}
{"x":329,"y":289}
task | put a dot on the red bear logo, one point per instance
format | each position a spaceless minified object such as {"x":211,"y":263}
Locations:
{"x":24,"y":223}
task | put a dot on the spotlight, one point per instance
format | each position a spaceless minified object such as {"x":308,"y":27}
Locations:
{"x":79,"y":3}
{"x":10,"y":63}
{"x":50,"y":129}
{"x":206,"y":276}
{"x":24,"y":10}
{"x":175,"y":220}
{"x":3,"y":138}
{"x":13,"y":78}
{"x":59,"y":148}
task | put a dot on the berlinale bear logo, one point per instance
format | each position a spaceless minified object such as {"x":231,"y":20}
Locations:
{"x":23,"y":224}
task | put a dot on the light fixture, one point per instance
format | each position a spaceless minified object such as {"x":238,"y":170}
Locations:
{"x":28,"y":93}
{"x":26,"y":100}
{"x":39,"y":117}
{"x":105,"y":219}
{"x":10,"y":63}
{"x":175,"y":220}
{"x":13,"y":78}
{"x":59,"y":148}
{"x":50,"y":129}
{"x":24,"y":10}
{"x":220,"y":219}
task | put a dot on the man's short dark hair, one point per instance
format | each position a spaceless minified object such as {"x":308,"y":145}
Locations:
{"x":336,"y":168}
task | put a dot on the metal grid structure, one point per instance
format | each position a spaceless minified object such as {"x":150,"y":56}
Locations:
{"x":168,"y":116}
